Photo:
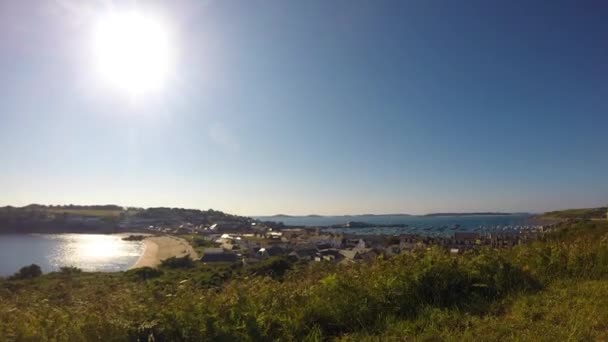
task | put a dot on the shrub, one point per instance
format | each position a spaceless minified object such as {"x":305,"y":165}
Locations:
{"x":178,"y":262}
{"x":69,"y":270}
{"x":144,"y":273}
{"x":274,"y":267}
{"x":28,"y":272}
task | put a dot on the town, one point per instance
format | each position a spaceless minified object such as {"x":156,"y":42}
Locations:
{"x":221,"y":238}
{"x":250,"y":242}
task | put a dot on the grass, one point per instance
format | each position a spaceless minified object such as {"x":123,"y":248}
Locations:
{"x":565,"y":311}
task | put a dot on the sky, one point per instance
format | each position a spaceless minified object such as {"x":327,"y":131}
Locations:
{"x":302,"y":107}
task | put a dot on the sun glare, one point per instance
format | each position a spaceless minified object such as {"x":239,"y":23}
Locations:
{"x":132,"y":52}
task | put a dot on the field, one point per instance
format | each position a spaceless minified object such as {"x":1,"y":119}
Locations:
{"x":106,"y":213}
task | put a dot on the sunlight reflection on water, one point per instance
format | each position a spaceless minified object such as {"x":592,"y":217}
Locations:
{"x":89,"y":252}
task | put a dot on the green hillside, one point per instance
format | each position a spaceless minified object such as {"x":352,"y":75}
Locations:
{"x":585,"y":213}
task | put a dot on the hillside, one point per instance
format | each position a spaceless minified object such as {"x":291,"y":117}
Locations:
{"x":37,"y":218}
{"x":553,"y":289}
{"x":585,"y":213}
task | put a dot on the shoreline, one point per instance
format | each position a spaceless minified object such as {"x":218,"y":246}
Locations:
{"x":159,"y":248}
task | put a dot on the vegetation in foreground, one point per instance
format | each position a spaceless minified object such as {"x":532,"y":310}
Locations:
{"x":554,"y":289}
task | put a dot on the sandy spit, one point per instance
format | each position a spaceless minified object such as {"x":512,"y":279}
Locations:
{"x":158,"y":248}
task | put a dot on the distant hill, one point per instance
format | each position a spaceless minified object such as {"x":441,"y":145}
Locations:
{"x":195,"y":216}
{"x":36,"y":218}
{"x":100,"y":211}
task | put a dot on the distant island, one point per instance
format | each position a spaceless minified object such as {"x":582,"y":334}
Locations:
{"x":380,"y":215}
{"x":470,"y":214}
{"x":396,"y":215}
{"x":319,"y":216}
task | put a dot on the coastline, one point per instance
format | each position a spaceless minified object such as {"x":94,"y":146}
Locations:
{"x":158,"y":248}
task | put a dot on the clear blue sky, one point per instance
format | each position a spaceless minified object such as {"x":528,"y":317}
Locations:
{"x":329,"y":107}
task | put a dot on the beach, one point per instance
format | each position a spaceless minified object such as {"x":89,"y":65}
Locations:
{"x":158,"y":248}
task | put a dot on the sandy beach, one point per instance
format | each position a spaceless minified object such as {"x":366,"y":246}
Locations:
{"x":158,"y":248}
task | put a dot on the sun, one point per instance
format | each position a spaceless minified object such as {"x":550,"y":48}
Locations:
{"x":132,"y":52}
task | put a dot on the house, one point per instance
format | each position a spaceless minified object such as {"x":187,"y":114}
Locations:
{"x":218,"y":255}
{"x":329,"y":257}
{"x":303,"y":254}
{"x":354,"y":243}
{"x":323,"y":245}
{"x":271,"y":251}
{"x":274,"y":235}
{"x":358,"y":254}
{"x":230,"y":227}
{"x":183,"y":230}
{"x":466,"y":238}
{"x":392,"y":250}
{"x":410,"y":246}
{"x":330,"y":254}
{"x":275,"y":250}
{"x":368,"y":254}
{"x":349,"y":254}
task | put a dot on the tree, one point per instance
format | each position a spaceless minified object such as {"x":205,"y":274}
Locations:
{"x":28,"y":272}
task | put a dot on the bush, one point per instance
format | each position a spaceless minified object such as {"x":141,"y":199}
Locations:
{"x":69,"y":270}
{"x":28,"y":272}
{"x":144,"y":273}
{"x":178,"y":262}
{"x":274,"y":267}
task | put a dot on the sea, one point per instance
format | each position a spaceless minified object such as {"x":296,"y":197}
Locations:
{"x":427,"y":225}
{"x":89,"y":252}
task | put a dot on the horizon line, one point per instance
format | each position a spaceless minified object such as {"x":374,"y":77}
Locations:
{"x":294,"y":215}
